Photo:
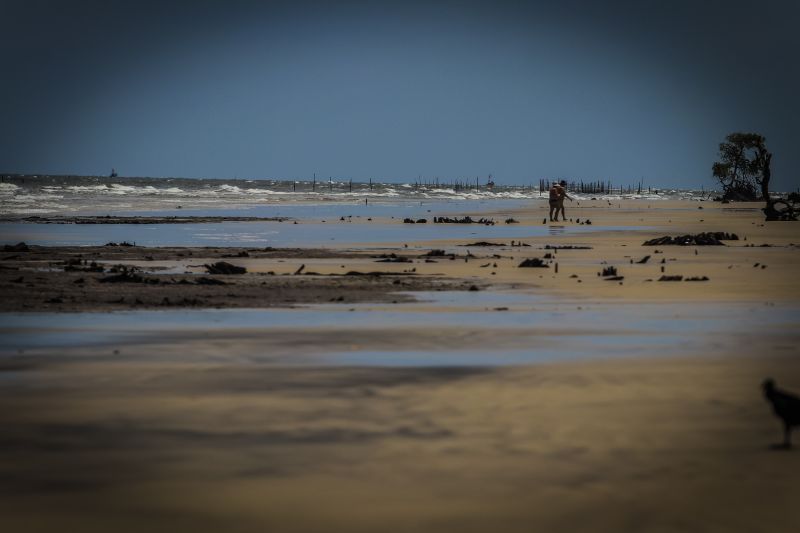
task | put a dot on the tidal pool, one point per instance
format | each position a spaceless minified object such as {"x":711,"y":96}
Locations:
{"x":442,"y":328}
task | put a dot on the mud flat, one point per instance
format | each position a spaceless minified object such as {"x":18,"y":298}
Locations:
{"x":120,"y":277}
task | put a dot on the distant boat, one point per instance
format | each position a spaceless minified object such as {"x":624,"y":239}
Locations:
{"x":490,"y":183}
{"x":113,"y":173}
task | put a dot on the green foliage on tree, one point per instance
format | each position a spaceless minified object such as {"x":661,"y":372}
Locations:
{"x":744,"y":160}
{"x":744,"y":173}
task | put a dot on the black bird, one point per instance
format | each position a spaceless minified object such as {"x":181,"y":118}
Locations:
{"x":786,"y":407}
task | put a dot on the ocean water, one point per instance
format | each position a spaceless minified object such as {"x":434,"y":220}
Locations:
{"x":335,"y":214}
{"x":648,"y":329}
{"x":54,"y":195}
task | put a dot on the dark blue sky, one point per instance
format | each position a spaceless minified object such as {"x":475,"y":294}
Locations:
{"x":391,"y":90}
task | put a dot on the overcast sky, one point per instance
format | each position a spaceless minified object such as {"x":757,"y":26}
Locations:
{"x":396,"y":89}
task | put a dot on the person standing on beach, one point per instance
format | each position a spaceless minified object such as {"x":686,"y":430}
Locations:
{"x":562,"y":193}
{"x":555,"y":194}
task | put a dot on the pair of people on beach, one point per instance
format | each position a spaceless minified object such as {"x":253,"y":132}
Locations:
{"x":557,"y":194}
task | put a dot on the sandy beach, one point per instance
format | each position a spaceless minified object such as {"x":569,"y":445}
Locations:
{"x":757,"y":267}
{"x":313,"y":421}
{"x":399,"y":267}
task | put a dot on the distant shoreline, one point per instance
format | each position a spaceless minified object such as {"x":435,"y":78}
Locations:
{"x":108,"y":219}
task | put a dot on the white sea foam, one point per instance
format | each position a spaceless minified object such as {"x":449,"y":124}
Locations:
{"x":76,"y":194}
{"x":87,"y":188}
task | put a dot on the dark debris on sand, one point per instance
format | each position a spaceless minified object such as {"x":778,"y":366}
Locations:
{"x":391,"y":258}
{"x":83,"y":281}
{"x":700,"y":239}
{"x":19,"y":247}
{"x":224,"y":268}
{"x":463,"y":220}
{"x":533,"y":262}
{"x":608,"y":271}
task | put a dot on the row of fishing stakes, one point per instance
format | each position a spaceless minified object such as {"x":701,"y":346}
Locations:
{"x":593,"y":187}
{"x":330,"y":184}
{"x":590,"y":187}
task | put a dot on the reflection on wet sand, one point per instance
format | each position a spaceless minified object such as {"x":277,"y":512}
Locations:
{"x":181,"y":446}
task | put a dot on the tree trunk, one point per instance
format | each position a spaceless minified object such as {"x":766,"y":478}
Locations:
{"x":769,"y":210}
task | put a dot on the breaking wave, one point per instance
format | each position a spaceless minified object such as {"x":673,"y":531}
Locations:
{"x":21,"y":195}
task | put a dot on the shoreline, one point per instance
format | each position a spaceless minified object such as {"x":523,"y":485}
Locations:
{"x":759,"y":267}
{"x":143,"y":219}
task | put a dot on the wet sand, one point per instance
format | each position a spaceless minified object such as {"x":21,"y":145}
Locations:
{"x":760,"y":266}
{"x":74,"y":279}
{"x":678,"y":444}
{"x":187,"y":433}
{"x":108,"y":219}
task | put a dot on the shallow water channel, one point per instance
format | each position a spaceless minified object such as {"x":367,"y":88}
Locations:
{"x":441,"y":329}
{"x":276,"y":234}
